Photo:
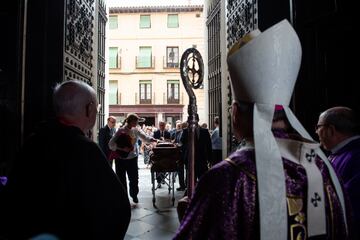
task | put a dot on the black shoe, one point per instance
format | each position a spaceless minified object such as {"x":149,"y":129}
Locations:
{"x":135,"y":200}
{"x":159,"y":185}
{"x":180,"y":189}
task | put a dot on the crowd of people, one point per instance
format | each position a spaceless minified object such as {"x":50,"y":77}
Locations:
{"x":278,"y":183}
{"x":145,"y":138}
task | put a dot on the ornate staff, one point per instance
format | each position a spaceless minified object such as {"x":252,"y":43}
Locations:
{"x":192,"y":73}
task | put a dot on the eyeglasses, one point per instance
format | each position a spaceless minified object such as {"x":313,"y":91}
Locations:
{"x":320,"y":125}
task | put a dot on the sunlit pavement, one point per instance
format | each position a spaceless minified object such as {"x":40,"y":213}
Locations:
{"x":148,"y":222}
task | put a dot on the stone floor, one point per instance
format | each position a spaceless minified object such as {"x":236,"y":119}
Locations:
{"x":148,"y":222}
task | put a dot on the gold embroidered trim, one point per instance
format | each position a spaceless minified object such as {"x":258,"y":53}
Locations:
{"x":295,"y":205}
{"x":297,"y":217}
{"x":300,"y":235}
{"x":250,"y":175}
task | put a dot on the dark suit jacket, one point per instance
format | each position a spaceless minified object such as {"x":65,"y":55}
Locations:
{"x":157,"y":134}
{"x":104,"y":138}
{"x":62,"y":184}
{"x":203,"y":150}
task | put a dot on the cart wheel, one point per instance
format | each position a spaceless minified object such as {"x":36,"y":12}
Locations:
{"x":171,"y":181}
{"x":173,"y":188}
{"x":153,"y":188}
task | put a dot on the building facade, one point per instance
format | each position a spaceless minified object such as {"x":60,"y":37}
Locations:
{"x":145,"y":46}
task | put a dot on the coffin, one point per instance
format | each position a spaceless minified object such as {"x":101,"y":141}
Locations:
{"x":165,"y":157}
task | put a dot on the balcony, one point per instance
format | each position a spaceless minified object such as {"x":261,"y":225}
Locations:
{"x":145,"y":62}
{"x":139,"y":100}
{"x":145,"y":101}
{"x":167,"y":63}
{"x":173,"y":100}
{"x":117,"y":64}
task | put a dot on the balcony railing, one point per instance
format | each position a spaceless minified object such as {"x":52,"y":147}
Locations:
{"x":170,"y":64}
{"x":173,"y":100}
{"x":118,"y":63}
{"x":145,"y":101}
{"x":138,"y":99}
{"x":144,"y":62}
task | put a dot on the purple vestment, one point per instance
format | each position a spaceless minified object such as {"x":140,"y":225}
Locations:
{"x":346,"y":162}
{"x":225,"y":202}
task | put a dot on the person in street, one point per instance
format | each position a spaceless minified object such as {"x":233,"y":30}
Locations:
{"x":180,"y":173}
{"x":61,"y":183}
{"x":203,"y":150}
{"x":161,"y":134}
{"x":278,"y":184}
{"x":216,"y":143}
{"x":124,"y":142}
{"x":105,"y":134}
{"x":147,"y":147}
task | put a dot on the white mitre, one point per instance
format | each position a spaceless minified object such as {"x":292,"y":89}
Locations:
{"x":263,"y":69}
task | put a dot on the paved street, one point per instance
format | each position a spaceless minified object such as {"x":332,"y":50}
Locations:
{"x":148,"y":222}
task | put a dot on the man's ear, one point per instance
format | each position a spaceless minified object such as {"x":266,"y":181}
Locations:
{"x":235,"y":114}
{"x":88,"y":109}
{"x":332,"y":130}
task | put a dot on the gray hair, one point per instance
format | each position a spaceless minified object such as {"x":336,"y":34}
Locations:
{"x":343,"y":119}
{"x":217,"y":120}
{"x":70,"y":97}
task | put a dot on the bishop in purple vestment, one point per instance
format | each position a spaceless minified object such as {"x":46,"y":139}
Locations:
{"x":277,"y":184}
{"x":230,"y":210}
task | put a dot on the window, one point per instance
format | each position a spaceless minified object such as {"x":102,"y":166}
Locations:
{"x":113,"y":22}
{"x":172,"y":118}
{"x":145,"y":91}
{"x":144,"y":60}
{"x":113,"y":57}
{"x":145,"y":21}
{"x":172,"y":57}
{"x":173,"y":21}
{"x":173,"y":91}
{"x":113,"y":92}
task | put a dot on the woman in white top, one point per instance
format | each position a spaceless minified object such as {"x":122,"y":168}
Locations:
{"x":124,"y":142}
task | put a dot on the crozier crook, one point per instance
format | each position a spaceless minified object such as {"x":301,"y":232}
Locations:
{"x":192,"y":73}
